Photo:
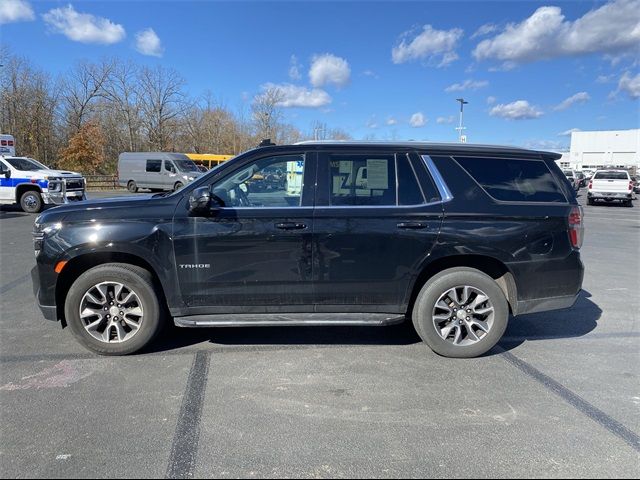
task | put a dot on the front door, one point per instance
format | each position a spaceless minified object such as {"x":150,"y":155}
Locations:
{"x":7,"y":191}
{"x":254,"y":252}
{"x":377,"y":218}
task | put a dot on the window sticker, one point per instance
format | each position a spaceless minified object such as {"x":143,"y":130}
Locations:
{"x":377,"y":174}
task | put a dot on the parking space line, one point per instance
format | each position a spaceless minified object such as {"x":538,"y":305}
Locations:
{"x":182,"y":460}
{"x":618,"y":429}
{"x":15,"y":283}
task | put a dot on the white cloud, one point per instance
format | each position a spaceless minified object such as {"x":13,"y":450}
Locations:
{"x":466,"y":85}
{"x":15,"y":11}
{"x":518,"y":110}
{"x":445,"y":120}
{"x":491,"y":100}
{"x":328,"y":69}
{"x":83,"y":27}
{"x":297,"y":96}
{"x":629,"y":85}
{"x":612,"y":28}
{"x":485,"y":29}
{"x":580,"y":97}
{"x":392,"y":121}
{"x":370,"y":73}
{"x":148,"y":43}
{"x":417,"y":120}
{"x":605,"y":78}
{"x":434,"y":46}
{"x":372,"y":122}
{"x":567,"y":133}
{"x":294,"y":68}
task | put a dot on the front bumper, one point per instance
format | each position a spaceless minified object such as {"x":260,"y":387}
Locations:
{"x":50,"y":312}
{"x":61,"y":198}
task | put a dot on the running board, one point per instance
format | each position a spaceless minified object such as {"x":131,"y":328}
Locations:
{"x":293,"y":319}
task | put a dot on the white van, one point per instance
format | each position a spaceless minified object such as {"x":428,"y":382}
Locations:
{"x":155,"y":170}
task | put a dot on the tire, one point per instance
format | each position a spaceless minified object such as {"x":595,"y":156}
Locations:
{"x":435,"y":291}
{"x":136,"y":280}
{"x":31,"y":201}
{"x":132,"y":187}
{"x":178,"y":186}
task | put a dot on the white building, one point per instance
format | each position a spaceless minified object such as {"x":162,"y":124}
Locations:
{"x":604,"y":149}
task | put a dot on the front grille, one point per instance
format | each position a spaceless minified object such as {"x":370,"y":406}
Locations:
{"x":74,"y":184}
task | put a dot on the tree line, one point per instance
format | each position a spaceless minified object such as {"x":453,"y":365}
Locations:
{"x":86,"y":117}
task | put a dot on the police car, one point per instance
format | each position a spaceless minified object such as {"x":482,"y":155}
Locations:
{"x":31,"y":184}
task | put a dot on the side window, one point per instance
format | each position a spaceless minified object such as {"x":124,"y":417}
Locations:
{"x":3,"y":168}
{"x":409,"y":192}
{"x":268,"y":182}
{"x":154,"y":165}
{"x":513,"y":180}
{"x":169,"y":166}
{"x":362,"y":179}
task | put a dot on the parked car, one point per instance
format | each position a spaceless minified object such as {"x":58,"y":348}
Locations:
{"x":610,"y":186}
{"x":582,"y":179}
{"x":636,"y":183}
{"x":455,"y":237}
{"x":31,"y":184}
{"x":573,"y":179}
{"x":157,"y":171}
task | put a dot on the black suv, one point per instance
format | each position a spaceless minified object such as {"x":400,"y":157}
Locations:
{"x":455,"y":237}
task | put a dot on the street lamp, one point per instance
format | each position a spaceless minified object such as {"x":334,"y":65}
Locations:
{"x":461,"y":138}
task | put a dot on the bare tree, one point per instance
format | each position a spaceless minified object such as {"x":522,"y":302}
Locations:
{"x":162,"y":101}
{"x":266,"y":112}
{"x":123,"y":94}
{"x":81,"y":89}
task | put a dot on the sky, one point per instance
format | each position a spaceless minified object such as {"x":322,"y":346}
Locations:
{"x":531,"y":71}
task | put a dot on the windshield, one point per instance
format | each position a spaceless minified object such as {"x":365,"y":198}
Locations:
{"x":186,"y":166}
{"x":25,"y":164}
{"x":611,"y":176}
{"x":569,"y":174}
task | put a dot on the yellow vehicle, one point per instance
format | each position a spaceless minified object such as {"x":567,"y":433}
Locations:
{"x":208,"y":160}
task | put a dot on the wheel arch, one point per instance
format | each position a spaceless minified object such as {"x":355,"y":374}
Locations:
{"x":486,"y":264}
{"x":21,"y":188}
{"x":81,"y":263}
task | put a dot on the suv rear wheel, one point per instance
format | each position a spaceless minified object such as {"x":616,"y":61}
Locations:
{"x":461,"y":312}
{"x":113,"y":309}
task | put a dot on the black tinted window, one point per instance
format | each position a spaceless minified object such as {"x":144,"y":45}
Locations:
{"x":611,"y":176}
{"x":362,"y":179}
{"x":154,"y":165}
{"x":409,"y":192}
{"x":514,"y":180}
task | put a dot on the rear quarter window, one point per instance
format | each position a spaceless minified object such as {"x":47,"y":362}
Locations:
{"x":513,"y":180}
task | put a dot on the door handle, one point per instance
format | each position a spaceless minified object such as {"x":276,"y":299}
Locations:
{"x":412,"y":225}
{"x":290,"y":226}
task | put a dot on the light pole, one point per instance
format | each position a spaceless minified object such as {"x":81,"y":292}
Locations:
{"x":461,"y":138}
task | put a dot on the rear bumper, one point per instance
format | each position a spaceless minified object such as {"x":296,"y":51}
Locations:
{"x":610,"y":195}
{"x":50,"y":312}
{"x":546,"y":304}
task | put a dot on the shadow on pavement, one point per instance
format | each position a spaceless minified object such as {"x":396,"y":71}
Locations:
{"x":574,"y":322}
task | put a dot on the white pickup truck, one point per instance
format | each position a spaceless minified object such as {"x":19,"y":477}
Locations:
{"x":31,"y":184}
{"x":610,"y":185}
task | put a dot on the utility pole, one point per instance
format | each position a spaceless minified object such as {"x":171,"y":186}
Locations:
{"x":461,"y":137}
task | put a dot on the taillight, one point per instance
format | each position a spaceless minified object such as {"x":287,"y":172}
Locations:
{"x":576,"y":227}
{"x":630,"y":185}
{"x":590,"y":185}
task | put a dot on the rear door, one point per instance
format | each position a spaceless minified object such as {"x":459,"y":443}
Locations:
{"x":377,"y":217}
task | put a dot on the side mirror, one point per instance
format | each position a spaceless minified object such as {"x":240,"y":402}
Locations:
{"x":200,"y":200}
{"x":7,"y":174}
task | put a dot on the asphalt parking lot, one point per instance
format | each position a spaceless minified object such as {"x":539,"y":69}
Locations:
{"x":559,"y":396}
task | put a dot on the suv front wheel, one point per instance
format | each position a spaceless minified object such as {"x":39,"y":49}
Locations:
{"x":113,"y":309}
{"x":461,"y":312}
